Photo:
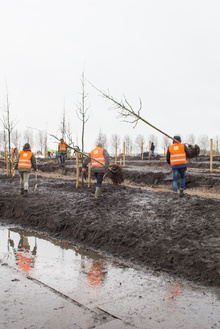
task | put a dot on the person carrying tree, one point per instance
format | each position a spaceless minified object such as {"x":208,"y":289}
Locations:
{"x":98,"y":168}
{"x":176,"y":158}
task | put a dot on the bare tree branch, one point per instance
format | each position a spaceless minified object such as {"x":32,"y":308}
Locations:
{"x":82,"y":108}
{"x":7,"y":123}
{"x":125,"y":110}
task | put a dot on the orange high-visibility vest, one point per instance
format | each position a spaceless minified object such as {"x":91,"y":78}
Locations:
{"x":62,"y":147}
{"x":25,"y":159}
{"x":24,"y":263}
{"x":95,"y":275}
{"x":177,"y":154}
{"x":97,"y":154}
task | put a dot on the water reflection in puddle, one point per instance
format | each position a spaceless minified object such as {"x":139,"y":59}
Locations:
{"x":94,"y":281}
{"x":38,"y":256}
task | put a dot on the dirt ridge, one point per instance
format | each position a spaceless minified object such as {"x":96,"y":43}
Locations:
{"x":144,"y":227}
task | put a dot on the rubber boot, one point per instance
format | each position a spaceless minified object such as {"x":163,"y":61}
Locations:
{"x":97,"y":192}
{"x":25,"y":193}
{"x":22,"y":191}
{"x":175,"y":195}
{"x":181,"y":193}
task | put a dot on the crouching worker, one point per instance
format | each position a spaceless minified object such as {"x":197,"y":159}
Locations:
{"x":24,"y":162}
{"x":98,"y":168}
{"x":176,"y":158}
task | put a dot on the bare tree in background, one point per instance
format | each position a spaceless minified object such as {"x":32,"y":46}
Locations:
{"x":5,"y":140}
{"x":154,"y":139}
{"x":102,"y":139}
{"x":69,"y":135}
{"x":190,"y":139}
{"x":45,"y":143}
{"x":63,"y":124}
{"x":128,"y":144}
{"x":28,"y":137}
{"x":165,"y":143}
{"x":203,"y":143}
{"x":7,"y":123}
{"x":16,"y":139}
{"x":115,"y":139}
{"x":216,"y":143}
{"x":40,"y":140}
{"x":82,"y":109}
{"x":138,"y":141}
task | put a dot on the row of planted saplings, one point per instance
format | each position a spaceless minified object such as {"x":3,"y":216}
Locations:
{"x":10,"y":158}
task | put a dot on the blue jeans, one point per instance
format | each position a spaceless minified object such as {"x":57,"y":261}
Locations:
{"x":99,"y":177}
{"x":182,"y":172}
{"x":62,"y":157}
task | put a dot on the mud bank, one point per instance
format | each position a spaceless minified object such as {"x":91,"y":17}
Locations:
{"x":140,"y":226}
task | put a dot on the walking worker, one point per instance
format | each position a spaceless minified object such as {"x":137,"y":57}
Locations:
{"x":62,"y":149}
{"x":152,"y":148}
{"x":98,"y":168}
{"x":24,"y":162}
{"x":176,"y":158}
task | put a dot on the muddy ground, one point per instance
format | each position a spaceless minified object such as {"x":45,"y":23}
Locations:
{"x":138,"y":221}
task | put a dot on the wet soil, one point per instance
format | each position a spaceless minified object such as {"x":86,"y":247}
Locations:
{"x":138,"y":221}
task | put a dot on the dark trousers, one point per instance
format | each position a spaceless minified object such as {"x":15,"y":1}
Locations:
{"x":99,"y":176}
{"x":62,"y":157}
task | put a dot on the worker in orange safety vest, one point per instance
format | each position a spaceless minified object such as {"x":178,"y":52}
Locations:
{"x":176,"y":158}
{"x":24,"y":162}
{"x":98,"y":168}
{"x":62,"y":149}
{"x":14,"y":151}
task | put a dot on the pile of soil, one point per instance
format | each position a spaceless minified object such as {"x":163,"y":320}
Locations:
{"x":143,"y":226}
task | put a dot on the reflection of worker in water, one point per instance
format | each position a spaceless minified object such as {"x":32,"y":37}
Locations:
{"x":96,"y":274}
{"x":174,"y":292}
{"x":23,"y":255}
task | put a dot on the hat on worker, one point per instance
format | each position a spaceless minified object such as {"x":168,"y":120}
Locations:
{"x":178,"y":138}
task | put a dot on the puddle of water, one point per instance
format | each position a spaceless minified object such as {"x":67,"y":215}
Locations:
{"x":133,"y":295}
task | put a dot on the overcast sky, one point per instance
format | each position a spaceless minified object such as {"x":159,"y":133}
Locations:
{"x":165,"y":52}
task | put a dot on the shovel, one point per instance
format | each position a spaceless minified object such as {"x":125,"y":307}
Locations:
{"x":84,"y":175}
{"x":35,"y":186}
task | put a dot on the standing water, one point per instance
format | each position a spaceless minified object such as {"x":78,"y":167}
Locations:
{"x":82,"y":289}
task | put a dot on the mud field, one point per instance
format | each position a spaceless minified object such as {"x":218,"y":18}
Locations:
{"x":137,"y":222}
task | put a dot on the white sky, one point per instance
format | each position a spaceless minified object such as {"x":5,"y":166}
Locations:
{"x":166,"y":52}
